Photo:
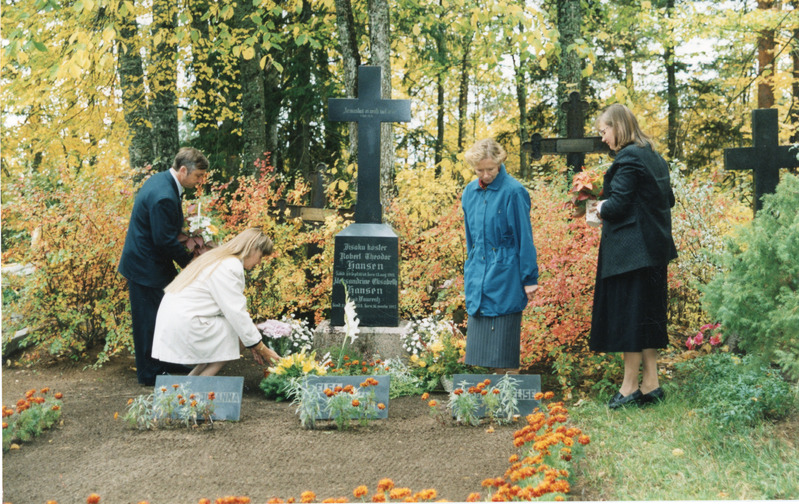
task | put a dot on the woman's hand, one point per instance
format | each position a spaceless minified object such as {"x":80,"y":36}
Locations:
{"x":530,"y":290}
{"x":264,"y":355}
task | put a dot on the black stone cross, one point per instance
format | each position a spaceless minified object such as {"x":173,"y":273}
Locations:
{"x":765,"y":157}
{"x":575,"y":145}
{"x":369,"y":110}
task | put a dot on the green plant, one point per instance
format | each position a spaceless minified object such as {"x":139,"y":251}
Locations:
{"x":277,"y":384}
{"x":736,"y":392}
{"x":31,"y":416}
{"x":169,"y":408}
{"x":497,"y":403}
{"x":756,"y":297}
{"x":342,"y":404}
{"x":437,"y":349}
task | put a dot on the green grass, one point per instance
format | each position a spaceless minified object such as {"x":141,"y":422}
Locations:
{"x":670,"y":452}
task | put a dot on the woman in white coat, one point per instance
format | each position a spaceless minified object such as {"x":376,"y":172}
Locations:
{"x":203,"y":314}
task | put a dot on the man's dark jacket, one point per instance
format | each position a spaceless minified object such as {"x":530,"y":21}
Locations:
{"x":151,"y":244}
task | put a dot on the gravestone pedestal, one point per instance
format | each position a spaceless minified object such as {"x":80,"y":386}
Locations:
{"x":385,"y":342}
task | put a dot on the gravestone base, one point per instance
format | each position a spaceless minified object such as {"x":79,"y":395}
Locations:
{"x":372,"y":342}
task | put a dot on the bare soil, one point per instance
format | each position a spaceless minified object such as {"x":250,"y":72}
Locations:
{"x":265,"y":455}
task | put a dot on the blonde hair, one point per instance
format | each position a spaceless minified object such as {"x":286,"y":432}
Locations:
{"x":625,"y":127}
{"x":243,"y":245}
{"x":487,"y":148}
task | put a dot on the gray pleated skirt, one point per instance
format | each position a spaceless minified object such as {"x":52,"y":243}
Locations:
{"x":494,"y":341}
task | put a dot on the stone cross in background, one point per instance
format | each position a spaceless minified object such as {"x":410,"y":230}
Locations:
{"x":575,"y":145}
{"x":369,"y":110}
{"x":367,"y":252}
{"x":765,"y":157}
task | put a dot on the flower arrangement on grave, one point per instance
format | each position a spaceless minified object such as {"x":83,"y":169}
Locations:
{"x":287,"y":335}
{"x":437,"y":350}
{"x":277,"y":380}
{"x":586,"y":186}
{"x":202,"y":231}
{"x":30,"y":416}
{"x":170,"y":407}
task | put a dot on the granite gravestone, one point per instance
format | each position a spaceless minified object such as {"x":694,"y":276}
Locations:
{"x":367,"y":252}
{"x":575,"y":146}
{"x":526,"y":389}
{"x":227,"y":391}
{"x":380,"y":390}
{"x":765,"y":157}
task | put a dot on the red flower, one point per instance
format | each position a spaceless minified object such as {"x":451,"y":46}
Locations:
{"x":211,"y":396}
{"x":356,"y":402}
{"x":381,"y":406}
{"x":93,"y":499}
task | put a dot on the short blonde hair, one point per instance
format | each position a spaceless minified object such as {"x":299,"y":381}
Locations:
{"x":243,"y":245}
{"x":487,"y":148}
{"x":625,"y":126}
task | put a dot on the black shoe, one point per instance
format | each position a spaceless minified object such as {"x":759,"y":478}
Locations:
{"x":654,"y":396}
{"x":618,"y":400}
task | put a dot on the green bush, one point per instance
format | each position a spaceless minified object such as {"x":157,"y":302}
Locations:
{"x":735,"y":392}
{"x":757,"y":295}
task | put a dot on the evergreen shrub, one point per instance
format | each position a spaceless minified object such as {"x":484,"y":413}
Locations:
{"x":756,"y":297}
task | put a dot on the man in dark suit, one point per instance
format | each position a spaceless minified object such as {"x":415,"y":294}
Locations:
{"x":152,"y":249}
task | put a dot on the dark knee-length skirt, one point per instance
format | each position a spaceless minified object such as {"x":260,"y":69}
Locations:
{"x":494,"y":341}
{"x":630,"y":311}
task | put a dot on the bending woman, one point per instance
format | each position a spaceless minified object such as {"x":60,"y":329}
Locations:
{"x":203,"y":315}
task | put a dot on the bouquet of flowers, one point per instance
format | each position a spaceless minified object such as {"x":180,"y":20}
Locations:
{"x":277,"y":382}
{"x":287,"y":335}
{"x":586,"y":185}
{"x":202,"y":232}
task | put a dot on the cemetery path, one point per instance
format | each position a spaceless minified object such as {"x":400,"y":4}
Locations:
{"x":267,"y":454}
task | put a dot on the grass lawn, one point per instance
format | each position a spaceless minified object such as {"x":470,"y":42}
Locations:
{"x":670,"y":452}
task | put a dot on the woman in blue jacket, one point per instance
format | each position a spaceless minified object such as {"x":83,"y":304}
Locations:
{"x":500,"y":273}
{"x":631,"y":293}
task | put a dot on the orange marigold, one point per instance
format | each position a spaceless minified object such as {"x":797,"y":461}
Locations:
{"x":56,"y":407}
{"x":30,"y":393}
{"x":211,"y":396}
{"x":584,"y":440}
{"x":59,"y":395}
{"x":473,"y":497}
{"x":425,"y":396}
{"x":360,"y":491}
{"x":385,"y":485}
{"x":549,"y":395}
{"x":45,"y":390}
{"x":93,"y":499}
{"x":356,"y":402}
{"x":307,"y":496}
{"x":379,"y":497}
{"x":52,"y":502}
{"x":399,"y":493}
{"x":433,"y":403}
{"x":175,"y":386}
{"x":458,"y":391}
{"x":5,"y":425}
{"x":273,"y":500}
{"x":381,"y":406}
{"x":538,"y":396}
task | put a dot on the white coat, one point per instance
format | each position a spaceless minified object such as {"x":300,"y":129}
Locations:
{"x":204,"y":322}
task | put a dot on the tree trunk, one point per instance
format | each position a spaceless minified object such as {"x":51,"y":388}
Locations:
{"x":253,"y":119}
{"x":672,"y":98}
{"x":163,"y":79}
{"x":570,"y":70}
{"x":134,"y":100}
{"x":351,"y":59}
{"x":521,"y":99}
{"x":203,"y":60}
{"x":765,"y":62}
{"x":379,"y":39}
{"x":463,"y":94}
{"x":301,"y":109}
{"x":441,"y":49}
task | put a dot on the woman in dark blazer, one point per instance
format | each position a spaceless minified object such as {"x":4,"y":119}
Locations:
{"x":631,"y":293}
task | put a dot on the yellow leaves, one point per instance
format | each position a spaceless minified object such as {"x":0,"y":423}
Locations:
{"x":248,"y":53}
